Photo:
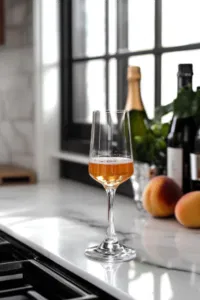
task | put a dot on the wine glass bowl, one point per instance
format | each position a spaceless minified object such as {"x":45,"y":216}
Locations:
{"x":111,"y":171}
{"x":110,"y":164}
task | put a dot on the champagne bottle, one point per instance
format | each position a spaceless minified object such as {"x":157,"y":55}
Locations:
{"x":180,"y":140}
{"x":138,"y":116}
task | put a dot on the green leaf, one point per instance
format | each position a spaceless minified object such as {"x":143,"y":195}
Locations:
{"x":156,"y":129}
{"x":163,"y":110}
{"x":183,"y":104}
{"x":165,"y":130}
{"x":196,"y":104}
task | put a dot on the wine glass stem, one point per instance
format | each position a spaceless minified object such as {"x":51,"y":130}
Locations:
{"x":111,"y":235}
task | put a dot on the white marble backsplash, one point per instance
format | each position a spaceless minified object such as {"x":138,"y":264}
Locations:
{"x":16,"y":85}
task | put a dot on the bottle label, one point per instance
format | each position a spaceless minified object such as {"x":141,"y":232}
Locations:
{"x":195,"y":166}
{"x":175,"y":164}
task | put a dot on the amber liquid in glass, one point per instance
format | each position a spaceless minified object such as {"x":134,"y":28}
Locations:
{"x":111,"y":171}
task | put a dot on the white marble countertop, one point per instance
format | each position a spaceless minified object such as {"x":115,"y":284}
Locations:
{"x":60,"y":220}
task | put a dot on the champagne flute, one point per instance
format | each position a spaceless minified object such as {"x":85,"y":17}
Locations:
{"x":110,"y":163}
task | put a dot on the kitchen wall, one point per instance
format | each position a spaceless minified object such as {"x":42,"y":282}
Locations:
{"x":16,"y":85}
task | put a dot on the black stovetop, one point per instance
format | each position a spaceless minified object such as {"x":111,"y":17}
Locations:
{"x":25,"y":275}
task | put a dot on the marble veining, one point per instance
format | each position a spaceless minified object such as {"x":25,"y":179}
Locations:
{"x":60,"y":220}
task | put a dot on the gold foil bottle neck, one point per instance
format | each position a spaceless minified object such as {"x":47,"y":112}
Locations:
{"x":134,"y":100}
{"x":133,"y":73}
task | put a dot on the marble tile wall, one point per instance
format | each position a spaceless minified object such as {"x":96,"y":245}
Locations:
{"x":16,"y":85}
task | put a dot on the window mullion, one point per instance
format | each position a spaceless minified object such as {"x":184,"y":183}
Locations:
{"x":122,"y":44}
{"x":66,"y":67}
{"x":158,"y":47}
{"x":106,"y":54}
{"x":81,"y":76}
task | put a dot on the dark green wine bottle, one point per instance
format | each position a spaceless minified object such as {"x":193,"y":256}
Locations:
{"x":195,"y":157}
{"x":180,"y":141}
{"x":196,"y":107}
{"x":195,"y":164}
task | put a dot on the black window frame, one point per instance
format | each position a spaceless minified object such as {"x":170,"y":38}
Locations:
{"x":75,"y":137}
{"x":2,"y":22}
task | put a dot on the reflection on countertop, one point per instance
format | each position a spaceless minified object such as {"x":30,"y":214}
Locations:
{"x":61,"y":219}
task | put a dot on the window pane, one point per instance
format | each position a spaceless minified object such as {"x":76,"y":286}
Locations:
{"x":141,"y":14}
{"x":180,"y":22}
{"x":170,"y":63}
{"x":146,"y":63}
{"x":88,"y":28}
{"x":112,"y":26}
{"x":113,"y":84}
{"x":88,"y":90}
{"x":50,"y":32}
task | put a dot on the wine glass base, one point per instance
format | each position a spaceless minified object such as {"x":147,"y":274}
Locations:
{"x":122,"y":253}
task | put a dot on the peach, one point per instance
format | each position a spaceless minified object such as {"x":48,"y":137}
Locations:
{"x":187,"y":210}
{"x":160,"y":196}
